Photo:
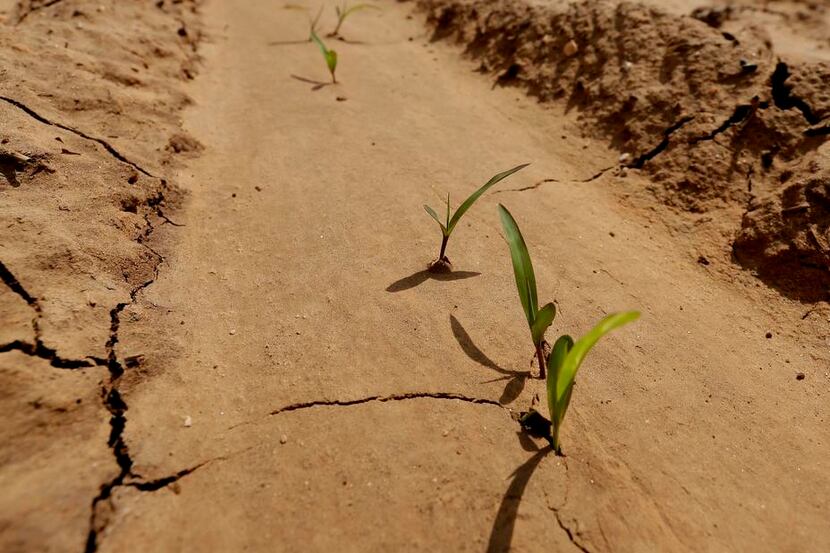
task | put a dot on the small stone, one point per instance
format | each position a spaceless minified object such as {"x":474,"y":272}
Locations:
{"x":283,"y":439}
{"x":570,"y":48}
{"x":769,"y":335}
{"x":188,"y":422}
{"x":232,"y":332}
{"x":445,"y":433}
{"x":800,"y":376}
{"x":624,"y":157}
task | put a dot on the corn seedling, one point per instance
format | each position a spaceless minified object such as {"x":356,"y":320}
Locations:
{"x":312,"y":22}
{"x":538,"y":320}
{"x":345,"y":11}
{"x":564,"y":362}
{"x":443,"y":263}
{"x":329,"y":55}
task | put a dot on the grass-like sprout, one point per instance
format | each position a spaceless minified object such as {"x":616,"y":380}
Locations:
{"x":312,"y":22}
{"x":442,"y":264}
{"x":566,"y":356}
{"x":329,"y":55}
{"x":538,"y":320}
{"x":564,"y":362}
{"x":345,"y":11}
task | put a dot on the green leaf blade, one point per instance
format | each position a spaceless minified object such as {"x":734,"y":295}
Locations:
{"x":522,"y":266}
{"x":557,"y":356}
{"x":574,"y":358}
{"x":437,"y":220}
{"x":331,"y":61}
{"x":544,"y":318}
{"x":468,"y":203}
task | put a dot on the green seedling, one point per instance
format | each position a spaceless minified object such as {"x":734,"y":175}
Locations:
{"x":345,"y":11}
{"x":329,"y":55}
{"x":312,"y":22}
{"x":538,"y":320}
{"x":564,"y":362}
{"x":442,"y":264}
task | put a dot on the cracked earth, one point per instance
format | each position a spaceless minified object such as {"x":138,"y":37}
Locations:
{"x":218,"y":333}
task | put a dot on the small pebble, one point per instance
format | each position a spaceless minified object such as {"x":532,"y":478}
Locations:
{"x":570,"y":48}
{"x":800,"y":376}
{"x":188,"y":422}
{"x":283,"y":439}
{"x":232,"y":332}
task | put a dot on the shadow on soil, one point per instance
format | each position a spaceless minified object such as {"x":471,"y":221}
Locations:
{"x":422,"y":276}
{"x":317,"y":84}
{"x":516,"y":379}
{"x":501,"y":534}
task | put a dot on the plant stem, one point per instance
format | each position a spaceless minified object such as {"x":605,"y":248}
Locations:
{"x":540,"y":356}
{"x":555,"y":435}
{"x":444,"y":241}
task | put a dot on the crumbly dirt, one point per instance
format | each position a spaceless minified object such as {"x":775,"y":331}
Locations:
{"x":706,"y":106}
{"x":88,"y":105}
{"x":218,"y":331}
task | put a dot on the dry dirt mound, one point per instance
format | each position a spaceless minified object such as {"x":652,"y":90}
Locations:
{"x":91,"y":126}
{"x":716,"y":117}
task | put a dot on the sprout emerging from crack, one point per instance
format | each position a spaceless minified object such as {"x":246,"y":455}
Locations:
{"x":563,"y":363}
{"x":442,"y":264}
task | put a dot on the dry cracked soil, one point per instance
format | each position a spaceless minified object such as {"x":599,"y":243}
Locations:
{"x":218,"y":333}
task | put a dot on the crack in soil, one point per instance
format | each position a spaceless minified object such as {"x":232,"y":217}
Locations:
{"x":651,"y":154}
{"x":782,"y":94}
{"x":38,"y":348}
{"x":556,"y":510}
{"x":107,"y":146}
{"x":384,"y":399}
{"x":742,"y":113}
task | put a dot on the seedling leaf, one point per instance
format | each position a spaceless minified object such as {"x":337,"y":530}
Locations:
{"x":544,"y":318}
{"x":329,"y":55}
{"x":570,"y":365}
{"x":522,"y":266}
{"x":435,"y":216}
{"x":345,"y":11}
{"x":468,"y":203}
{"x":557,"y":356}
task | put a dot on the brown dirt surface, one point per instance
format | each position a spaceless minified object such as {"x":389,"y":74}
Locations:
{"x":218,"y":328}
{"x":716,"y":113}
{"x":87,"y":105}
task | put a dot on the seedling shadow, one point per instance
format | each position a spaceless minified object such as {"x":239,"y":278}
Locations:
{"x":501,"y":535}
{"x":420,"y":277}
{"x":317,"y":84}
{"x":516,"y":379}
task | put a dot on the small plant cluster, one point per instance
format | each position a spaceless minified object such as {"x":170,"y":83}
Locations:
{"x":342,"y":11}
{"x":558,"y":365}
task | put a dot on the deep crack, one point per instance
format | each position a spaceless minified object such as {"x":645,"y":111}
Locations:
{"x":38,"y":348}
{"x":741,"y":113}
{"x":782,"y":94}
{"x":643,"y":158}
{"x":107,"y":146}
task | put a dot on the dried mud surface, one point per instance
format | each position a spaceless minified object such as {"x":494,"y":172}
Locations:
{"x":91,"y":129}
{"x":206,"y":344}
{"x":722,"y":112}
